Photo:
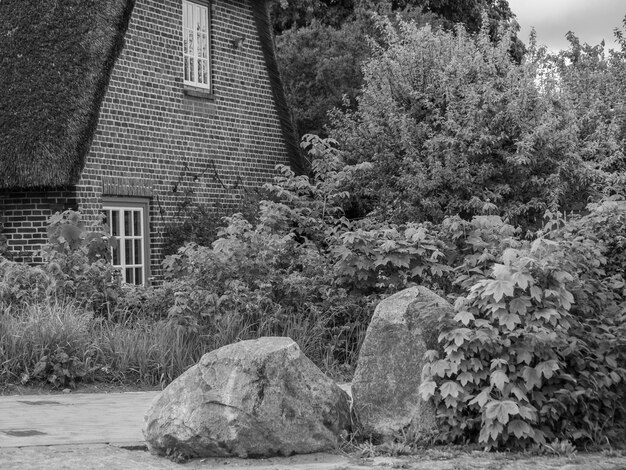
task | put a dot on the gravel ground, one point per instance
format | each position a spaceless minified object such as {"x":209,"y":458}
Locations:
{"x":101,"y":456}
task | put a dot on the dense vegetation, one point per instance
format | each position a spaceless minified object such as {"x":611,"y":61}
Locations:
{"x":496,"y":183}
{"x":322,"y":43}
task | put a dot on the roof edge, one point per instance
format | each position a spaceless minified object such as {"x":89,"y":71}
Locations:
{"x":260,"y":10}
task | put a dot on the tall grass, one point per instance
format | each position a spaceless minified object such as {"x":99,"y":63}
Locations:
{"x":139,"y":351}
{"x":149,"y":353}
{"x":33,"y":331}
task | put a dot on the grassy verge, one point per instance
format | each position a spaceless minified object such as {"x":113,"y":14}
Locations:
{"x":60,"y":343}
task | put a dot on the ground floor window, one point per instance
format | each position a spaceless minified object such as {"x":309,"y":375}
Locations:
{"x":127,"y":221}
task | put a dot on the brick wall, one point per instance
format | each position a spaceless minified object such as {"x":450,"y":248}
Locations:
{"x":24,"y":218}
{"x":166,"y":145}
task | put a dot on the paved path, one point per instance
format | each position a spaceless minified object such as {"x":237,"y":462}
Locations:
{"x":76,"y":418}
{"x":84,"y":431}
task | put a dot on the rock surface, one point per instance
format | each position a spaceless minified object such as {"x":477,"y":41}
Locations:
{"x":254,"y":398}
{"x":385,"y":389}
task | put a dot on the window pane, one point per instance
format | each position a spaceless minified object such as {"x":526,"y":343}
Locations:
{"x":192,"y":62}
{"x":204,"y":53}
{"x":116,"y":256}
{"x":199,"y":44}
{"x":188,"y":15}
{"x":137,"y":251}
{"x":128,"y":255}
{"x":107,"y":220}
{"x":130,"y":279}
{"x":137,"y":223}
{"x":191,"y":42}
{"x":203,"y":20}
{"x":138,"y":276}
{"x":197,"y":12}
{"x":127,"y":223}
{"x":115,"y":223}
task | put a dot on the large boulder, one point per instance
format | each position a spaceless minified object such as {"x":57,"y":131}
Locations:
{"x":254,"y":398}
{"x":385,"y":389}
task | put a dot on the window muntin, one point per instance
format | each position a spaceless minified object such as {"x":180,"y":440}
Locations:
{"x":127,"y":224}
{"x":196,"y":44}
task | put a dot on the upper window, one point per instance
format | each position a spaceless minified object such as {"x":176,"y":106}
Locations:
{"x":196,"y":44}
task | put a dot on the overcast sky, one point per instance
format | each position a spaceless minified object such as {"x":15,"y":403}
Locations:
{"x":591,"y":20}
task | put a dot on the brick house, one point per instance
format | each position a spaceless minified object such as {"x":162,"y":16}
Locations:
{"x":119,"y":107}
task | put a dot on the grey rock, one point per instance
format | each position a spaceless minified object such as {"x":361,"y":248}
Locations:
{"x":385,"y":389}
{"x":256,"y":398}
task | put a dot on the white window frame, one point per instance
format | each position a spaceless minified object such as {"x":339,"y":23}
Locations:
{"x":196,"y":23}
{"x":134,"y":206}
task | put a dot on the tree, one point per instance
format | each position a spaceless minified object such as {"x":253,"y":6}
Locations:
{"x":321,"y":67}
{"x":322,"y":43}
{"x":290,"y":14}
{"x":452,"y":125}
{"x":596,"y":84}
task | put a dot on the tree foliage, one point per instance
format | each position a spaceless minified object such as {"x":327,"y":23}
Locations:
{"x":322,"y":43}
{"x":452,"y":125}
{"x":320,"y":66}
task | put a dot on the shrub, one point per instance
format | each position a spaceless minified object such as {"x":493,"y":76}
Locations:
{"x":450,"y":124}
{"x":264,"y":280}
{"x":48,"y":340}
{"x":23,"y":284}
{"x":79,"y":261}
{"x":387,"y":258}
{"x":75,"y":265}
{"x":530,"y":356}
{"x":200,"y":224}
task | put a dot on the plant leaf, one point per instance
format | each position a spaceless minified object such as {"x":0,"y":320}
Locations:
{"x":547,"y":368}
{"x":520,"y":429}
{"x":490,"y":430}
{"x":531,"y":378}
{"x":450,"y":388}
{"x":501,"y":410}
{"x":520,"y":305}
{"x":465,"y":377}
{"x":427,"y":389}
{"x":499,"y":288}
{"x":498,"y":378}
{"x":482,"y":398}
{"x":464,"y":317}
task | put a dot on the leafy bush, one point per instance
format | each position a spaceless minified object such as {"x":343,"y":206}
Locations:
{"x":451,"y":125}
{"x":59,"y":369}
{"x":79,"y":261}
{"x":48,"y":340}
{"x":75,"y":265}
{"x":23,"y":284}
{"x":530,"y":357}
{"x":267,"y":279}
{"x":200,"y":224}
{"x":389,"y":258}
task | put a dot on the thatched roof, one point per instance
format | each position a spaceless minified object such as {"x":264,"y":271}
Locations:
{"x":56,"y":60}
{"x":57,"y":56}
{"x":264,"y":28}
